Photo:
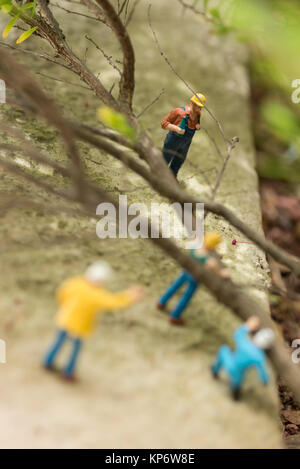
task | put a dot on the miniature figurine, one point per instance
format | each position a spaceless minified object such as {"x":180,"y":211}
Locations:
{"x":205,"y":255}
{"x":249,"y":352}
{"x":181,"y":122}
{"x":81,"y":299}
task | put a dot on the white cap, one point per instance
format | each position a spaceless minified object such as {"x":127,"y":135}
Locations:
{"x":264,"y":338}
{"x":99,"y":272}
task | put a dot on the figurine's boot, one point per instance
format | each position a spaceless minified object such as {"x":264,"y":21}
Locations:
{"x":236,"y":393}
{"x":214,"y":371}
{"x":160,"y":306}
{"x":53,"y":368}
{"x":69,"y":378}
{"x":236,"y":384}
{"x":176,"y":321}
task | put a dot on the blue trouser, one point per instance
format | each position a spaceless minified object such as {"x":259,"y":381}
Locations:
{"x":61,"y":337}
{"x":175,"y":149}
{"x":225,"y":360}
{"x":184,"y":277}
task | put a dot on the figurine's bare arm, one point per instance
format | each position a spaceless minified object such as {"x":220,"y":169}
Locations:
{"x":110,"y":301}
{"x":168,"y":123}
{"x":174,"y":128}
{"x":214,"y":265}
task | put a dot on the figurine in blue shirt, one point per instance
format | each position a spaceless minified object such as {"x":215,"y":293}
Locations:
{"x":203,"y":255}
{"x":249,"y":352}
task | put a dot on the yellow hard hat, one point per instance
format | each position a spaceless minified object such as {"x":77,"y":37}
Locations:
{"x":199,"y":99}
{"x":211,"y":240}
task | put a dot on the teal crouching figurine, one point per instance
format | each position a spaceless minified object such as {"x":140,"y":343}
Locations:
{"x":248,"y":353}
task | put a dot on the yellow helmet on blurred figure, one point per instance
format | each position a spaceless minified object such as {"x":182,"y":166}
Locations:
{"x":199,"y":99}
{"x":211,"y":240}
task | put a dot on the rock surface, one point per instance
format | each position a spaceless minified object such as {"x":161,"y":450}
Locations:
{"x":144,"y":384}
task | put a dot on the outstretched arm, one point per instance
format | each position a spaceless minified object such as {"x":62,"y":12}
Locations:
{"x":110,"y":301}
{"x":217,"y":267}
{"x":241,"y":334}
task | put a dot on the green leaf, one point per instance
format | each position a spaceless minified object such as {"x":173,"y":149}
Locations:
{"x":27,"y":6}
{"x":282,"y":121}
{"x":115,"y":120}
{"x":3,"y":2}
{"x":6,"y":8}
{"x":33,"y":8}
{"x":215,"y":13}
{"x":222,"y":29}
{"x":26,"y":35}
{"x":9,"y":26}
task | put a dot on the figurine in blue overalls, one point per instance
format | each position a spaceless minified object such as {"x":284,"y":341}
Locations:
{"x":181,"y":122}
{"x":203,"y":255}
{"x":249,"y":352}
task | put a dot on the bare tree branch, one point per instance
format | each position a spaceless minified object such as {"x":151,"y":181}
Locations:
{"x":166,"y":187}
{"x":127,"y":81}
{"x":169,"y":188}
{"x":225,"y":291}
{"x":230,"y":294}
{"x":48,"y":28}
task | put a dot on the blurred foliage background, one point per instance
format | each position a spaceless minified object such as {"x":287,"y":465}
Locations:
{"x":271,"y":29}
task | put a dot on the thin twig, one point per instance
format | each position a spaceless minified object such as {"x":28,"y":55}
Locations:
{"x":127,"y":82}
{"x":63,"y":81}
{"x":151,"y":104}
{"x":235,"y":140}
{"x":108,"y":57}
{"x":121,"y":8}
{"x":36,"y":54}
{"x":131,"y":13}
{"x":211,"y":138}
{"x":195,"y":10}
{"x":96,"y":10}
{"x":75,"y":12}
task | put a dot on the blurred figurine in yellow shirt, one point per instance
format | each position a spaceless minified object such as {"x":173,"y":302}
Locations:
{"x":81,"y":300}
